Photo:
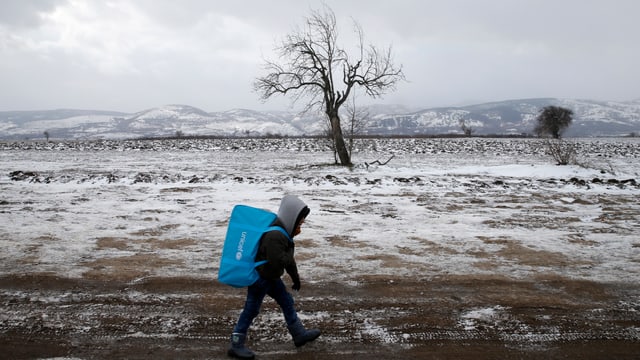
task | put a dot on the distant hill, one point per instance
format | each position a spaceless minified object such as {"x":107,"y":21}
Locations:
{"x":511,"y":117}
{"x":591,"y":118}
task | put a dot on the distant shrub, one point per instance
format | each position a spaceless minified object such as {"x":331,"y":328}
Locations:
{"x":553,"y":120}
{"x":563,"y":152}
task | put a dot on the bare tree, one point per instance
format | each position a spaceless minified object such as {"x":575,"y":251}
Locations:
{"x":466,"y":129}
{"x":315,"y":68}
{"x":357,"y":121}
{"x":329,"y":135}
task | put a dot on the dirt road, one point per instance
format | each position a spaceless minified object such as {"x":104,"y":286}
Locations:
{"x":466,"y":317}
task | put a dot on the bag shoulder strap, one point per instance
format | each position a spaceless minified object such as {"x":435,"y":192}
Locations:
{"x":279,"y":228}
{"x":271,"y":228}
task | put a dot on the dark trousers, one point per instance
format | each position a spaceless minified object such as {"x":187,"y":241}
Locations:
{"x":255,"y":295}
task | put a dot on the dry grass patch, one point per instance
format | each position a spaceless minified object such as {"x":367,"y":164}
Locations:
{"x":433,"y":247}
{"x":409,"y":251}
{"x":113,"y":243}
{"x":126,"y":267}
{"x":456,"y":194}
{"x":304,"y":256}
{"x":153,"y":243}
{"x":157,"y":231}
{"x":28,"y":260}
{"x":516,"y":199}
{"x":614,"y":214}
{"x":176,"y":190}
{"x":46,"y":238}
{"x":579,"y":239}
{"x":170,"y":244}
{"x":346,"y":241}
{"x":533,"y":221}
{"x":499,"y":240}
{"x":306,"y":243}
{"x":388,"y":260}
{"x":581,"y":201}
{"x":531,"y":257}
{"x":332,"y":209}
{"x":485,"y":265}
{"x":478,"y":253}
{"x":511,"y":250}
{"x":221,"y":223}
{"x":454,"y":207}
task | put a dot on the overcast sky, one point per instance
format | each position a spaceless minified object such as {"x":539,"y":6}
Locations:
{"x":133,"y":55}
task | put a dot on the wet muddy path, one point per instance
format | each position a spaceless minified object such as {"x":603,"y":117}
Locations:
{"x":460,"y":317}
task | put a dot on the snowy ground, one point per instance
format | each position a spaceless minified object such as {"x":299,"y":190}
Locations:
{"x":422,"y":214}
{"x":439,"y":209}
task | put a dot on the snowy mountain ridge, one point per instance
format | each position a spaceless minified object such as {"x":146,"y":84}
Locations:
{"x":510,"y":117}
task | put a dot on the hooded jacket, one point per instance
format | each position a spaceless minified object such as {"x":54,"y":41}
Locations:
{"x":275,"y":247}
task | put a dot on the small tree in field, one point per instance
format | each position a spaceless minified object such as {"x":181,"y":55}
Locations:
{"x":315,"y":67}
{"x":553,"y":120}
{"x":563,"y":152}
{"x":466,"y":129}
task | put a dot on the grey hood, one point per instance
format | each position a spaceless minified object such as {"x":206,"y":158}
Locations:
{"x":292,"y":211}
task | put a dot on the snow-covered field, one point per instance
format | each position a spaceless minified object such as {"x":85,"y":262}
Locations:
{"x":132,"y":210}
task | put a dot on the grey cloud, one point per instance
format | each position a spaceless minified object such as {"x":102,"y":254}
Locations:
{"x":130,"y":55}
{"x":27,"y":13}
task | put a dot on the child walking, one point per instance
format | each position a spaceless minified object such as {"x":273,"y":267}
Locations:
{"x":278,"y":251}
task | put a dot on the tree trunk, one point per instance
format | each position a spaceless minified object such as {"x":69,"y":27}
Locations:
{"x":338,"y":141}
